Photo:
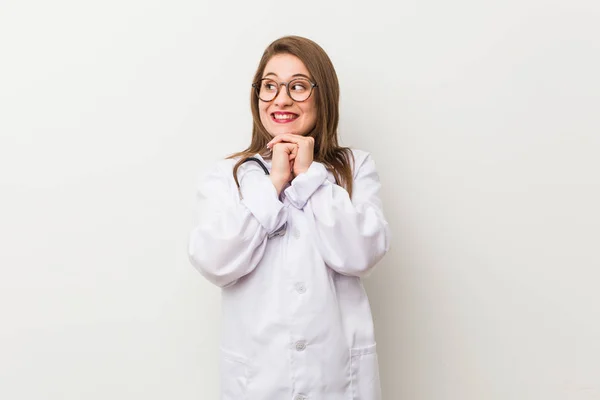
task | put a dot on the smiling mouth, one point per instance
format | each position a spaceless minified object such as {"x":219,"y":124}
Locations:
{"x":283,"y":118}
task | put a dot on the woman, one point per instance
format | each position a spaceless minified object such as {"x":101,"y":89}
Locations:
{"x":288,"y":228}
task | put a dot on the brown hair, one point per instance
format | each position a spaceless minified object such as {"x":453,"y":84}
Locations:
{"x":327,"y":150}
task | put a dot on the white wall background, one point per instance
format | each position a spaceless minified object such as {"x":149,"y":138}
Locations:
{"x":483,"y":118}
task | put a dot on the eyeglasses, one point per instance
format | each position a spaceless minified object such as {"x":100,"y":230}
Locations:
{"x":297,"y":89}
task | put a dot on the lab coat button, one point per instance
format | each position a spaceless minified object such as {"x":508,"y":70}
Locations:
{"x":300,"y":397}
{"x":300,"y":345}
{"x":296,"y":234}
{"x":300,"y":288}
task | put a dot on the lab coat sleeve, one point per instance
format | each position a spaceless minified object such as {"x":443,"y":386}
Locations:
{"x":352,"y":234}
{"x":233,"y":226}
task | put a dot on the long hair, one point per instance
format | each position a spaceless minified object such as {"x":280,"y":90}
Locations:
{"x":327,"y":150}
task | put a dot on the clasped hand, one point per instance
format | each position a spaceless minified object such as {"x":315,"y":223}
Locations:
{"x":292,"y":155}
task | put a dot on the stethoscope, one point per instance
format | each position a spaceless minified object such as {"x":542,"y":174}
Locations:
{"x":258,"y":162}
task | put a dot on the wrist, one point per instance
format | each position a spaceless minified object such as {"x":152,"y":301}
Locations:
{"x":302,"y":169}
{"x":278,"y":183}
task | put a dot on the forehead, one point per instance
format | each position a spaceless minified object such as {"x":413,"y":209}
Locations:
{"x":285,"y":66}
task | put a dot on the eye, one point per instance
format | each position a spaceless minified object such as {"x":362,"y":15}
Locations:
{"x":299,"y":86}
{"x":269,"y":86}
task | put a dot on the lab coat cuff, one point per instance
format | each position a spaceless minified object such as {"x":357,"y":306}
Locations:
{"x":305,"y":184}
{"x":260,"y":197}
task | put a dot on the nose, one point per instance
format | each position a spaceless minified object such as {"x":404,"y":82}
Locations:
{"x":283,"y":98}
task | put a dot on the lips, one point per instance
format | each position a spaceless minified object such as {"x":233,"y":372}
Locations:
{"x":283,"y":117}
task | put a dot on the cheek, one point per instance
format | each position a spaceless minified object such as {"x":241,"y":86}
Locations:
{"x":311,"y":113}
{"x":264,"y":116}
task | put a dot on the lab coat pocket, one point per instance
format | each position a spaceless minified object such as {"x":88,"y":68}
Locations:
{"x":235,"y":375}
{"x":365,"y":373}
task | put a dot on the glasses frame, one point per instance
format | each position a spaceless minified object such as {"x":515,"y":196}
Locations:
{"x":256,"y":86}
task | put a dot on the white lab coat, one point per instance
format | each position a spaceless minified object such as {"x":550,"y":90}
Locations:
{"x":297,"y":323}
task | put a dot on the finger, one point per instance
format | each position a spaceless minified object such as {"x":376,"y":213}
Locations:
{"x":286,"y":147}
{"x":294,"y":149}
{"x":276,"y":139}
{"x":273,"y":142}
{"x":288,"y":137}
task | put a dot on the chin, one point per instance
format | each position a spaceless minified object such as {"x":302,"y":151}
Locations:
{"x":279,"y":130}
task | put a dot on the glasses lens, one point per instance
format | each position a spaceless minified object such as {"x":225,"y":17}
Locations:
{"x":267,"y":89}
{"x":300,"y":89}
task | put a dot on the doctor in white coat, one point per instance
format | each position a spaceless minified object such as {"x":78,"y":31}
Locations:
{"x":287,"y":228}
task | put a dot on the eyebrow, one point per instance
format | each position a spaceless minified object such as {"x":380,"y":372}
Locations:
{"x":293,"y":76}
